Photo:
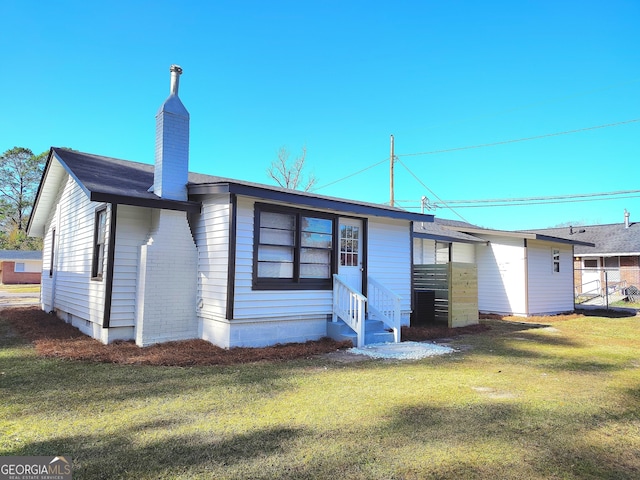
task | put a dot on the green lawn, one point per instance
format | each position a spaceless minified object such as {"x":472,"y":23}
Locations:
{"x":20,"y":288}
{"x":515,"y":402}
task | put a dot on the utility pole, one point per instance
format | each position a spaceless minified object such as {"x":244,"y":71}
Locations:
{"x":391,"y":160}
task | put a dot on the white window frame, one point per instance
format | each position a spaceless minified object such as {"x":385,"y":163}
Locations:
{"x":555,"y":260}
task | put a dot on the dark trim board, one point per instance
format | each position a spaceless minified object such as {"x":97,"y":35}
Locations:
{"x":231,"y":267}
{"x":190,"y":207}
{"x":108,"y":289}
{"x":365,"y":256}
{"x":339,"y":206}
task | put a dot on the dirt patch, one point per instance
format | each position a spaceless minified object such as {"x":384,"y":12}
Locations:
{"x":420,"y":334}
{"x":54,"y":338}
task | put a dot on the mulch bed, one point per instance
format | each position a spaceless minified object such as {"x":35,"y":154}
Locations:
{"x":54,"y":338}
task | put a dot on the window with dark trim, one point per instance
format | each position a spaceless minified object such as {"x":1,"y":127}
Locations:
{"x":99,"y":243}
{"x":293,"y":249}
{"x":53,"y":249}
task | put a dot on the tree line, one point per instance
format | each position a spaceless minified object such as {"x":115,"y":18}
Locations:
{"x":20,"y":174}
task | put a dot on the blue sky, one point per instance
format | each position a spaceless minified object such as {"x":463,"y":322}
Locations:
{"x":341,"y":77}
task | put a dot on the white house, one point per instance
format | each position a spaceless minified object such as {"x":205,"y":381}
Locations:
{"x":155,"y":253}
{"x":519,"y":273}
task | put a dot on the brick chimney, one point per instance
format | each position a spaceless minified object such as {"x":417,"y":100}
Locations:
{"x":172,"y":144}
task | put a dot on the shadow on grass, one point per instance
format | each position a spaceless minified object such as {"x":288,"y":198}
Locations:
{"x":125,"y":456}
{"x":553,"y":444}
{"x":617,"y":312}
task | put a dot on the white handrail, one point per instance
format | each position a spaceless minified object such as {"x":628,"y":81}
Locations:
{"x":384,"y":305}
{"x":349,"y":305}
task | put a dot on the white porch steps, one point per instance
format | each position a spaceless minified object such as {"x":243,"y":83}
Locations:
{"x":375,"y":331}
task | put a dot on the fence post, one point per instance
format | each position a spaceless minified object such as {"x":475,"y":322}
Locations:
{"x":606,"y":288}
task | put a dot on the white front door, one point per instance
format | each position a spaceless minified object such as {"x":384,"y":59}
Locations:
{"x":350,"y":259}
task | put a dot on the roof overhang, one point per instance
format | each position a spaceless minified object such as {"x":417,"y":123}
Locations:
{"x":524,"y":235}
{"x":446,"y":238}
{"x":182,"y":206}
{"x":307,"y":200}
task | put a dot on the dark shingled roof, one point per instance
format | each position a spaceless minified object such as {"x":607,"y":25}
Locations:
{"x":613,"y":239}
{"x":113,"y":180}
{"x":121,"y":181}
{"x":458,"y":231}
{"x":436,"y":231}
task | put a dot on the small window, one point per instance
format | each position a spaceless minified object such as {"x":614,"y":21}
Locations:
{"x":99,"y":243}
{"x":18,"y":267}
{"x":591,"y":263}
{"x":293,"y":249}
{"x":349,"y":245}
{"x":556,"y":260}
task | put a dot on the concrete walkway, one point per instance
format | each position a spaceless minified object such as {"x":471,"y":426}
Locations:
{"x":10,"y":299}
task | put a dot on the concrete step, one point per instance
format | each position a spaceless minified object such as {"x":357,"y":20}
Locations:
{"x":375,"y":331}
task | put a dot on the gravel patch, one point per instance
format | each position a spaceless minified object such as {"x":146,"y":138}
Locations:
{"x":402,"y":351}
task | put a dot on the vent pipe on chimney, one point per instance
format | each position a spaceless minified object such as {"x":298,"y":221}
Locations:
{"x":176,"y":71}
{"x":626,"y":218}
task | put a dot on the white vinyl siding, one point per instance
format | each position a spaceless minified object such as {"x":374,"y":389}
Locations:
{"x":75,"y":293}
{"x":549,"y":292}
{"x":133,"y":224}
{"x":211,"y":231}
{"x":464,"y":252}
{"x":389,"y":257}
{"x":424,"y":251}
{"x":501,"y":276}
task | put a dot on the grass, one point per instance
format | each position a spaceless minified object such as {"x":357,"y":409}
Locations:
{"x":550,"y":398}
{"x":626,"y":304}
{"x":20,"y":288}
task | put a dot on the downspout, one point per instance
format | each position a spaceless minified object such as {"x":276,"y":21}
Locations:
{"x":412,"y":284}
{"x":365,"y":257}
{"x":526,"y":278}
{"x":108,"y":289}
{"x":573,"y":277}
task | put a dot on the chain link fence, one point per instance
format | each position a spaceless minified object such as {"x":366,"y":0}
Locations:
{"x":606,"y":286}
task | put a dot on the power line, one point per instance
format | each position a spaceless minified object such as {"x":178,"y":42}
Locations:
{"x":550,"y":200}
{"x":430,"y":191}
{"x":509,"y":204}
{"x":350,"y":175}
{"x":504,"y":142}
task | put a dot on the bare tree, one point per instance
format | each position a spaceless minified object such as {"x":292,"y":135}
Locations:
{"x":291,"y":175}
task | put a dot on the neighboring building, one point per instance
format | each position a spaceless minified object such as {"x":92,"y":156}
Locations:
{"x":20,"y":267}
{"x":614,"y":258}
{"x":154,"y":253}
{"x":519,"y":273}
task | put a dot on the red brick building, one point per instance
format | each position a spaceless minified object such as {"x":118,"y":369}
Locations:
{"x":20,"y":267}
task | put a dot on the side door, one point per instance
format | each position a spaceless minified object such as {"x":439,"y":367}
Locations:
{"x":350,"y":260}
